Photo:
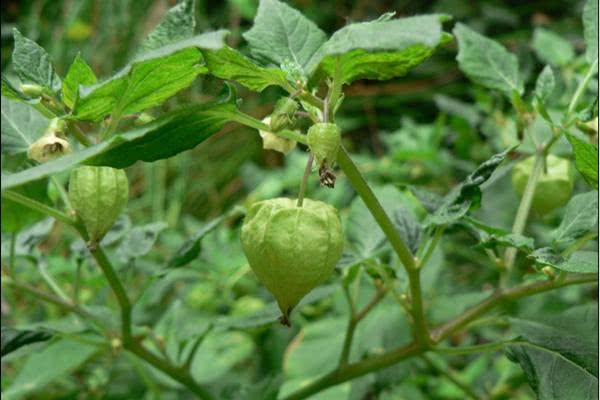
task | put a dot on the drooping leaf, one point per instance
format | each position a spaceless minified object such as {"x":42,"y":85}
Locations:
{"x":21,"y":126}
{"x":177,"y":24}
{"x":139,"y":241}
{"x":581,"y":217}
{"x":467,"y":195}
{"x":551,"y":48}
{"x":586,"y":159}
{"x":148,"y":80}
{"x":590,"y":30}
{"x":228,"y":63}
{"x":379,"y":50}
{"x":559,"y":355}
{"x":486,"y":62}
{"x":32,"y":63}
{"x":162,"y":138}
{"x":544,"y":86}
{"x":282,"y":34}
{"x":80,"y":73}
{"x":13,"y":339}
{"x":46,"y":366}
{"x":585,"y":262}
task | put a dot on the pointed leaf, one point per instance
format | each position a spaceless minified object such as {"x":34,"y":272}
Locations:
{"x":149,"y":80}
{"x":552,"y":48}
{"x":282,"y":34}
{"x":380,"y":50}
{"x":586,"y":159}
{"x":162,"y":138}
{"x":32,"y":63}
{"x":486,"y":62}
{"x":584,"y":262}
{"x":79,"y":74}
{"x":544,"y":86}
{"x":228,"y":63}
{"x":581,"y":217}
{"x":177,"y":24}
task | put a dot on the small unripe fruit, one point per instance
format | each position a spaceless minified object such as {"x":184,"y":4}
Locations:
{"x":284,"y":114}
{"x":324,"y":140}
{"x":291,"y":248}
{"x":273,"y":142}
{"x":554,"y":187}
{"x":98,"y":195}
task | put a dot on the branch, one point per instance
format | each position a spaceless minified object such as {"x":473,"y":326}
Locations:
{"x":500,"y":296}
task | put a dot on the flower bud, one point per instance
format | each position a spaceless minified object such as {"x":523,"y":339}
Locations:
{"x":51,"y":145}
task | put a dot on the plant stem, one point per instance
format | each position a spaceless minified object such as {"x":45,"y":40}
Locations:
{"x":79,"y":134}
{"x":62,"y":192}
{"x":449,"y":374}
{"x":500,"y":296}
{"x":52,"y":283}
{"x":304,"y":181}
{"x":581,"y":88}
{"x":383,"y":220}
{"x":579,"y":243}
{"x":374,"y":363}
{"x":525,"y":206}
{"x":129,"y":343}
{"x":439,"y":231}
{"x":252,"y":122}
{"x":355,"y":318}
{"x":37,"y":206}
{"x":361,"y":186}
{"x":479,"y":348}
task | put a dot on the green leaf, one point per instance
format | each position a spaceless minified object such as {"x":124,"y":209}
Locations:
{"x":149,"y":80}
{"x":560,"y":355}
{"x":584,"y":262}
{"x":486,"y":62}
{"x":13,"y":339}
{"x":79,"y":74}
{"x":282,"y":34}
{"x":590,"y":30}
{"x":21,"y":126}
{"x":27,"y":239}
{"x":467,"y":195}
{"x":47,"y":366}
{"x":544,"y":86}
{"x":586,"y":159}
{"x":228,"y":63}
{"x":517,"y":241}
{"x":551,"y":48}
{"x":177,"y":24}
{"x":162,"y":138}
{"x":139,"y":241}
{"x":581,"y":217}
{"x":379,"y":50}
{"x":32,"y":63}
{"x":16,"y":216}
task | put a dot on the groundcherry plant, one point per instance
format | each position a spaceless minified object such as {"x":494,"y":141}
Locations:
{"x":67,"y":142}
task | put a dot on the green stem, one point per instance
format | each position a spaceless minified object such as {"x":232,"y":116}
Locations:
{"x":479,"y":348}
{"x":501,"y":296}
{"x":52,"y":283}
{"x":336,"y":88}
{"x":525,"y":206}
{"x":439,"y":231}
{"x":252,"y":122}
{"x":304,"y":181}
{"x":129,"y":343}
{"x":449,"y":374}
{"x":421,"y":332}
{"x":581,"y":88}
{"x":79,"y":134}
{"x":361,"y":186}
{"x":374,"y":363}
{"x":36,"y":205}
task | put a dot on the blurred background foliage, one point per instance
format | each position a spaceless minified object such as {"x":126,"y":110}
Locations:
{"x":430,"y":129}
